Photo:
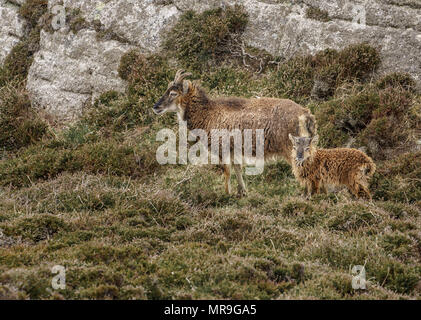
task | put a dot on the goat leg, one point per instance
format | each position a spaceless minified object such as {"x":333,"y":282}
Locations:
{"x":242,"y":191}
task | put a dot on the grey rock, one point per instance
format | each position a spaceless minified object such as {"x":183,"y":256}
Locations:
{"x":377,"y":13}
{"x":140,"y":22}
{"x":11,"y":27}
{"x":70,"y":71}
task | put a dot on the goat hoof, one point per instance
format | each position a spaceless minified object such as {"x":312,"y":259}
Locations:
{"x":241,"y":193}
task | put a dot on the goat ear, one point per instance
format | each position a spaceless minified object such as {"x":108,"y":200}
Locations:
{"x":186,"y":86}
{"x":315,"y":140}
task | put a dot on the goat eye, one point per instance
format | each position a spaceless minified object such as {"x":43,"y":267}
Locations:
{"x":173,"y":94}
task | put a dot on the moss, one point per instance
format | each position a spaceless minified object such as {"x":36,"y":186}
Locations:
{"x":317,"y":14}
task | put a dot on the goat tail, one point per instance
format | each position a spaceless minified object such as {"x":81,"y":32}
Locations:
{"x":307,"y":125}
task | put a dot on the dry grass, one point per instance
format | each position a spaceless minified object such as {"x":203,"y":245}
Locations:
{"x":91,"y":197}
{"x":149,"y":240}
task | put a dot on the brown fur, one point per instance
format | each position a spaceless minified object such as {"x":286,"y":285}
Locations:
{"x":277,"y":117}
{"x":323,"y":167}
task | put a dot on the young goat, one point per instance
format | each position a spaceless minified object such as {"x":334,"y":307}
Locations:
{"x":316,"y":169}
{"x":277,"y":118}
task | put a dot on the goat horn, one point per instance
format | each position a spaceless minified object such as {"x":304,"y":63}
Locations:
{"x":180,"y":75}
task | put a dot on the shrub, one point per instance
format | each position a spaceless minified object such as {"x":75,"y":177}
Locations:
{"x":19,"y":125}
{"x":296,"y":208}
{"x":148,"y":78}
{"x":198,"y":39}
{"x":145,"y":73}
{"x":352,"y":218}
{"x":320,"y":75}
{"x":393,"y":102}
{"x":397,"y":276}
{"x":345,"y":117}
{"x":378,"y":119}
{"x":398,"y":179}
{"x":17,"y":63}
{"x":359,"y":61}
{"x":293,"y":79}
{"x":232,"y":81}
{"x":397,"y":80}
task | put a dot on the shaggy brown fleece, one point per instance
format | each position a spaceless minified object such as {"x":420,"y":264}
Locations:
{"x":338,"y":167}
{"x":277,"y":117}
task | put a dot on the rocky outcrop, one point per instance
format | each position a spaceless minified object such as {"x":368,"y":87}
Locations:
{"x":138,"y":22}
{"x":11,"y":27}
{"x":72,"y":69}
